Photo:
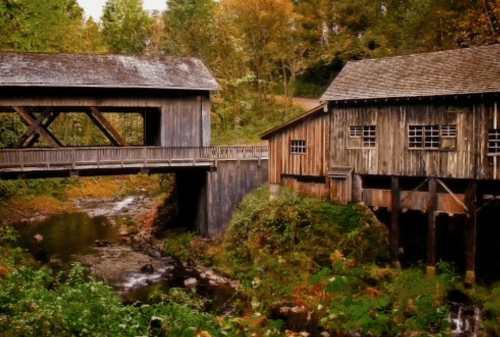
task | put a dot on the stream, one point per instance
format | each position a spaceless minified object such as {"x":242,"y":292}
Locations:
{"x":93,"y":237}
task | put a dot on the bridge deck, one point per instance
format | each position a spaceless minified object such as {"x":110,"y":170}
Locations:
{"x":85,"y":158}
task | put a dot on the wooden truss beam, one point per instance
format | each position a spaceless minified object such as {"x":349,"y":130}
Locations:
{"x":106,"y":128}
{"x":45,"y":125}
{"x":35,"y":126}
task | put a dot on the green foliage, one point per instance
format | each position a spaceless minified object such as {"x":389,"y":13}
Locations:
{"x":55,"y":187}
{"x":32,"y":304}
{"x":294,"y":223}
{"x":45,"y":26}
{"x":179,"y":245}
{"x":126,"y":26}
{"x":8,"y":235}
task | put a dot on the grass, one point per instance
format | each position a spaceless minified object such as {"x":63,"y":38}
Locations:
{"x":331,"y":263}
{"x":327,"y":264}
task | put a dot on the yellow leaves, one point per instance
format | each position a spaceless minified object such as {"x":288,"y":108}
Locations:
{"x":94,"y":188}
{"x":43,"y":204}
{"x":338,"y":257}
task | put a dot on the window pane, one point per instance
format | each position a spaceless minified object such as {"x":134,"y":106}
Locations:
{"x":298,"y":146}
{"x":494,"y":141}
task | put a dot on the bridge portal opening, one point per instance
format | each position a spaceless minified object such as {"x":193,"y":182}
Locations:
{"x":52,"y":127}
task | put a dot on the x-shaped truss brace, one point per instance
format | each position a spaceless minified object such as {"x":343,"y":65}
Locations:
{"x":38,"y":127}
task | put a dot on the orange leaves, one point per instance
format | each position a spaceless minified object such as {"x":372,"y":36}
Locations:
{"x":309,"y":297}
{"x":146,"y":219}
{"x":3,"y":271}
{"x":338,"y":257}
{"x":94,"y":188}
{"x":41,"y":204}
{"x":372,"y":292}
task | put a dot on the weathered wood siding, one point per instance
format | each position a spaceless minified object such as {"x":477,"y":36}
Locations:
{"x":341,"y":190}
{"x":315,"y":131}
{"x":227,"y":186}
{"x":185,"y":116}
{"x":309,"y":188}
{"x":392,"y":155}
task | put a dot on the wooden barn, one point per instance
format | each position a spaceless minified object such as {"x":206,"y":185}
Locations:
{"x":407,"y":133}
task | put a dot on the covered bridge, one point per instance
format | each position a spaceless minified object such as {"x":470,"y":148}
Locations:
{"x":149,"y":114}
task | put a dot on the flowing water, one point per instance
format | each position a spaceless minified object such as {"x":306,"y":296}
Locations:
{"x":464,"y":317}
{"x":134,"y":272}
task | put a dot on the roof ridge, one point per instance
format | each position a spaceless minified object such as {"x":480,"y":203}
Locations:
{"x":427,"y":53}
{"x":99,"y":54}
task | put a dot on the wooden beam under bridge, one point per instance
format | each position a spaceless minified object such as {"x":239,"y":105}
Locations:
{"x":414,"y":200}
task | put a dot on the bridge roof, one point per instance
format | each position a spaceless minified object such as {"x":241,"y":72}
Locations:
{"x":104,"y":71}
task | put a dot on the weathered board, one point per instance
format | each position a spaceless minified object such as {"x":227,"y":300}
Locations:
{"x":315,"y":131}
{"x":184,"y":119}
{"x":392,"y":154}
{"x":320,"y":190}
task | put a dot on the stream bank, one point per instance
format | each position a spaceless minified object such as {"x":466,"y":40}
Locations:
{"x":105,"y":236}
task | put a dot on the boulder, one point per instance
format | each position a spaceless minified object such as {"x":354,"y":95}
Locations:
{"x":190,"y":282}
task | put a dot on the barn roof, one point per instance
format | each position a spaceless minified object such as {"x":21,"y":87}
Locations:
{"x":104,"y":71}
{"x":453,"y":72}
{"x":313,"y":112}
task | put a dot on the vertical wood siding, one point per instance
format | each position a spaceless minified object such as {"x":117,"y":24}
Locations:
{"x":392,"y":156}
{"x":309,"y":188}
{"x":182,"y":122}
{"x":315,"y":131}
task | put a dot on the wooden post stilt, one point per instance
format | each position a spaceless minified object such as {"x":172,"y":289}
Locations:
{"x":471,"y":232}
{"x":394,"y":233}
{"x":431,"y":228}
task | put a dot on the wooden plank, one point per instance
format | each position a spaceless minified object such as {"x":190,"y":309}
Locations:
{"x":395,"y":209}
{"x":35,"y":126}
{"x":431,"y":228}
{"x":45,"y":125}
{"x":106,"y":128}
{"x":206,"y":128}
{"x":471,"y":232}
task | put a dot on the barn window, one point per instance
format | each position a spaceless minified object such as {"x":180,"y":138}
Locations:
{"x":355,"y":131}
{"x":298,"y":146}
{"x":432,"y":137}
{"x":369,"y":136}
{"x":494,"y":141}
{"x":448,"y":139}
{"x":362,"y":136}
{"x":415,"y":134}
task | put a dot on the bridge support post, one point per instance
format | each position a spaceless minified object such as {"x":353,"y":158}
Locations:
{"x":394,"y":232}
{"x":192,"y":199}
{"x":471,"y":232}
{"x":431,"y":228}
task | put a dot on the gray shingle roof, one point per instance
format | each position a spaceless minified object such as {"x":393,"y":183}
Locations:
{"x":453,"y":72}
{"x":105,"y":71}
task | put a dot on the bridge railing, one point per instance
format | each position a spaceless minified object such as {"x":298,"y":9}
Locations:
{"x":123,"y":156}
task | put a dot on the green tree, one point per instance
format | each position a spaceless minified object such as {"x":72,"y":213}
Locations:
{"x":126,"y":26}
{"x":45,"y":26}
